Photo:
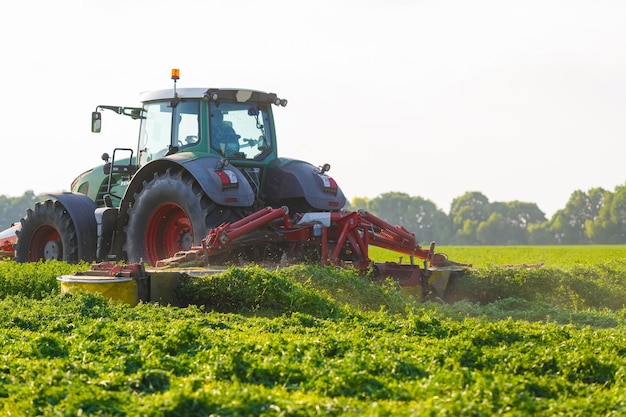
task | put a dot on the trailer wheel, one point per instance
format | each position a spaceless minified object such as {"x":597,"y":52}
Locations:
{"x":47,"y":233}
{"x":170,"y":214}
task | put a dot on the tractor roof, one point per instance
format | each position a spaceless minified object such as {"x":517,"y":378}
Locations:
{"x":184,"y":93}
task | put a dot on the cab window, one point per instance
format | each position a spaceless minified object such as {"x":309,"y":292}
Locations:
{"x":238,"y":130}
{"x":187,"y":123}
{"x":165,"y":127}
{"x":156,"y":132}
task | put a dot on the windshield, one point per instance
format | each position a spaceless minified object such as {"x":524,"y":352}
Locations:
{"x":238,"y":130}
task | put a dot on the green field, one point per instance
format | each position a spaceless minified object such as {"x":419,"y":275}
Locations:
{"x":306,"y":340}
{"x":563,"y":257}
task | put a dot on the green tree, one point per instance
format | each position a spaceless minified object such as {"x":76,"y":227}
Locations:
{"x":472,"y":205}
{"x":415,"y":214}
{"x":572,"y":224}
{"x":602,"y":228}
{"x":522,"y":214}
{"x":618,"y":214}
{"x":494,"y":231}
{"x":358,"y":203}
{"x":391,"y":207}
{"x":540,"y":234}
{"x":508,"y":223}
{"x":12,"y":209}
{"x":466,"y":235}
{"x":581,"y":208}
{"x":466,"y":213}
{"x":430,"y":223}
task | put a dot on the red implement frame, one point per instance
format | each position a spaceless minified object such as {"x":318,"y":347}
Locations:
{"x":342,"y":237}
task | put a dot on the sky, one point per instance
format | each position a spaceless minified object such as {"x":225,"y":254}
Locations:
{"x":519,"y":100}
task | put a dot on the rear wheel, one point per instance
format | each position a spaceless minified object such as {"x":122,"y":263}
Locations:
{"x":47,"y":233}
{"x":170,"y":214}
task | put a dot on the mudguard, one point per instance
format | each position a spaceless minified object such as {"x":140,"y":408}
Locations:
{"x":291,"y":179}
{"x":238,"y":193}
{"x":81,"y":210}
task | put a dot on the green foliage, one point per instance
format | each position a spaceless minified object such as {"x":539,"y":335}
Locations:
{"x":13,"y":208}
{"x":307,"y":289}
{"x":307,"y":341}
{"x":568,"y":277}
{"x":478,"y":221}
{"x":255,"y":290}
{"x":156,"y":361}
{"x":416,"y":214}
{"x":348,"y":287}
{"x":608,"y":225}
{"x":596,"y":216}
{"x":579,"y":288}
{"x":35,"y":280}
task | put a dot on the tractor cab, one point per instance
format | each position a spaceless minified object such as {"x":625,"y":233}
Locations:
{"x":207,"y":122}
{"x":234,"y":126}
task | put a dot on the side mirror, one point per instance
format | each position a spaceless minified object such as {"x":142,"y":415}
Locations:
{"x":96,"y":122}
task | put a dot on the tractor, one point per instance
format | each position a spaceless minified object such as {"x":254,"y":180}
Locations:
{"x":204,"y":157}
{"x":206,"y":181}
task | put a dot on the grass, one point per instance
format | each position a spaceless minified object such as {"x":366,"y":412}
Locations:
{"x":309,"y":341}
{"x":562,"y":257}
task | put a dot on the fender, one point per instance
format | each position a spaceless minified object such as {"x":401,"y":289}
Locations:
{"x":203,"y":170}
{"x":82,"y":212}
{"x":291,"y":178}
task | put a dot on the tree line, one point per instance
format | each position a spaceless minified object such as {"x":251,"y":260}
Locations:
{"x":12,"y":209}
{"x":596,"y":216}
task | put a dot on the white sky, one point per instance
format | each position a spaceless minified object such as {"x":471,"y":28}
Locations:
{"x":520,"y":100}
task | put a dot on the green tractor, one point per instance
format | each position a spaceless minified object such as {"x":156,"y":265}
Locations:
{"x":204,"y":157}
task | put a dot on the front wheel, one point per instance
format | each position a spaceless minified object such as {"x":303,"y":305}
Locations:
{"x":170,"y":214}
{"x":47,"y":233}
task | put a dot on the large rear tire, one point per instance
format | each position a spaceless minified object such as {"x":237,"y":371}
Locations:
{"x":47,"y":233}
{"x":171,"y":213}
